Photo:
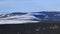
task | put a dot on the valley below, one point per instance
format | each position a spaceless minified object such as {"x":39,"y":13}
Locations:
{"x":31,"y":28}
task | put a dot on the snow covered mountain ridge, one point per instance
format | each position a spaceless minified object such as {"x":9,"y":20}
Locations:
{"x":33,"y":17}
{"x":15,"y":18}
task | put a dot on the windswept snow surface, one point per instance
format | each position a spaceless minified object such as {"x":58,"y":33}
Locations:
{"x":27,"y":18}
{"x":15,"y":22}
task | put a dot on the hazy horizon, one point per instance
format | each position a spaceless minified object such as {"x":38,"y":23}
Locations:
{"x":8,"y":6}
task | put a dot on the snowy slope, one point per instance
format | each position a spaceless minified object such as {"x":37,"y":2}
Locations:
{"x":26,"y":18}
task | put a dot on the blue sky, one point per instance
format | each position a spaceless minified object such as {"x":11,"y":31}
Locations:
{"x":7,"y":6}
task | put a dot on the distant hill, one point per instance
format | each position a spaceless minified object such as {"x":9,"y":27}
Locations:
{"x":17,"y":13}
{"x":50,"y":16}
